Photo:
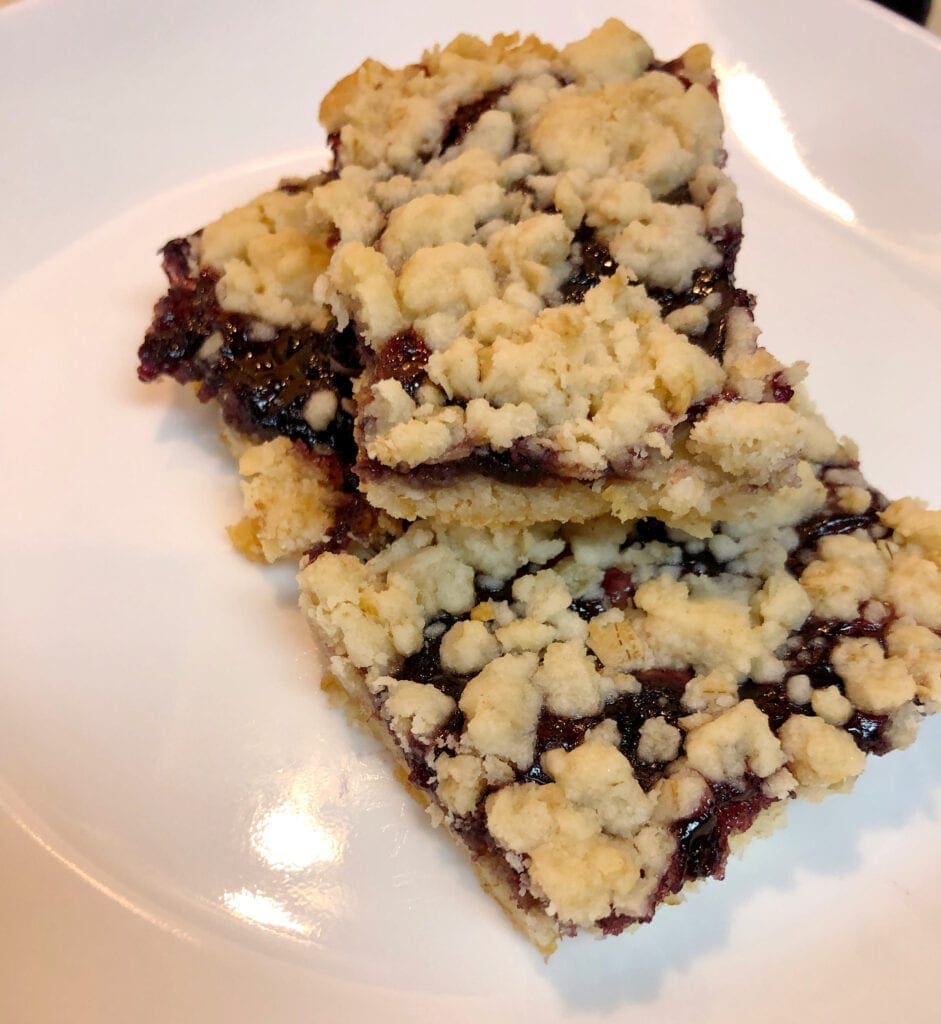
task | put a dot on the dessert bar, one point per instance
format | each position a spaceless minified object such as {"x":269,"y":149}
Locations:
{"x":514,"y":292}
{"x":599,"y":713}
{"x":537,"y":249}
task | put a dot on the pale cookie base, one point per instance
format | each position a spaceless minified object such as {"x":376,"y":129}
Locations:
{"x":688,"y":498}
{"x":480,"y":502}
{"x":681,"y":496}
{"x":289,"y":501}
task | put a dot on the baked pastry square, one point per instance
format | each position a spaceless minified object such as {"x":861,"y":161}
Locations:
{"x":511,"y":300}
{"x":599,"y":713}
{"x":537,"y":249}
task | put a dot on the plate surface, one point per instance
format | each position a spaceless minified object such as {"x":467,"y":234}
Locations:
{"x":187,"y":831}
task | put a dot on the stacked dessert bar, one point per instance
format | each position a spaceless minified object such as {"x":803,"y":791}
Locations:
{"x":581,"y":551}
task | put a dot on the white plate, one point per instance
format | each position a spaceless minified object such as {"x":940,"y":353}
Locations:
{"x":188,"y":833}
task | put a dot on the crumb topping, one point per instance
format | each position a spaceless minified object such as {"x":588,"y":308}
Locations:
{"x":603,"y":696}
{"x":269,"y":252}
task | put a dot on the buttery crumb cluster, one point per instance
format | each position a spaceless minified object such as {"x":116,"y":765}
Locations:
{"x":583,"y":700}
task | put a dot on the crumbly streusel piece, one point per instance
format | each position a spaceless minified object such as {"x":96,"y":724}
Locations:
{"x":240,"y":321}
{"x":537,"y":248}
{"x":599,"y":712}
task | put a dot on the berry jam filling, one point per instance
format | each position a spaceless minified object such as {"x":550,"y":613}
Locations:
{"x":834,"y":520}
{"x":591,"y":261}
{"x":694,"y":560}
{"x":870,"y":732}
{"x":773,"y":701}
{"x":467,"y":115}
{"x":523,"y":464}
{"x":356,"y":524}
{"x":588,"y":607}
{"x":828,"y":523}
{"x":718,"y":282}
{"x":703,"y":840}
{"x":809,"y":650}
{"x":261,"y":376}
{"x":702,"y":849}
{"x":811,"y":656}
{"x":403,"y":358}
{"x":425,"y":666}
{"x":618,"y":587}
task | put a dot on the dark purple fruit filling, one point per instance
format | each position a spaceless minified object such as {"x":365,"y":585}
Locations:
{"x":425,"y":666}
{"x":834,"y":520}
{"x":588,"y":607}
{"x":618,"y":587}
{"x":660,"y":696}
{"x":262,"y":387}
{"x":356,"y":524}
{"x":591,"y":262}
{"x":706,"y":282}
{"x":698,"y":561}
{"x":523,"y":464}
{"x":870,"y":732}
{"x":813,"y":650}
{"x":403,"y":358}
{"x":467,"y":115}
{"x":773,"y":701}
{"x":827,"y":524}
{"x":553,"y":732}
{"x":809,"y":650}
{"x":183,"y":318}
{"x":490,"y":589}
{"x":261,"y":377}
{"x":702,"y":849}
{"x":703,"y":840}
